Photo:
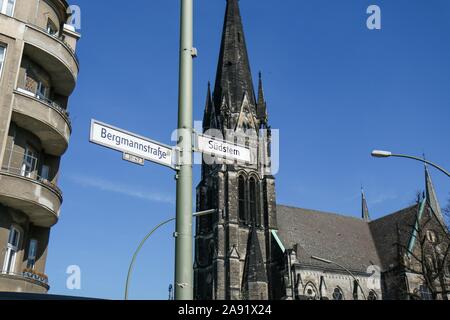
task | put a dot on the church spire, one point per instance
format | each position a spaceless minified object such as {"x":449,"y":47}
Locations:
{"x":431,"y":195}
{"x":365,"y":208}
{"x":208,"y":109}
{"x":261,"y":109}
{"x":233,"y":79}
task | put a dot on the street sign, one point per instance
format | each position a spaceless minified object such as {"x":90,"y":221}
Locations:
{"x":132,"y":144}
{"x":133,"y":159}
{"x":223,"y":149}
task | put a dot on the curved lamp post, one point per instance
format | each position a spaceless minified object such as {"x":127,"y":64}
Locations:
{"x":388,"y":154}
{"x":133,"y":260}
{"x":342,"y":267}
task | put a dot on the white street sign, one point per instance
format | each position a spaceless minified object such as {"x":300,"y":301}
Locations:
{"x":222,"y":149}
{"x":131,"y":144}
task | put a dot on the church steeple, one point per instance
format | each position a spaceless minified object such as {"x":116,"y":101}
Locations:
{"x":234,"y":78}
{"x":365,"y":209}
{"x":431,"y":195}
{"x":208,"y":109}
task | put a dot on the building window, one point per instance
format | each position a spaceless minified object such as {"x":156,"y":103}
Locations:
{"x":372,"y":295}
{"x":355,"y":290}
{"x":337,"y":294}
{"x":11,"y":250}
{"x":2,"y":57}
{"x":32,"y":253}
{"x":29,"y":164}
{"x":425,"y":293}
{"x":7,"y":7}
{"x":253,"y":207}
{"x":447,"y":269}
{"x":310,"y":292}
{"x":242,"y":202}
{"x":52,"y":29}
{"x":431,"y":236}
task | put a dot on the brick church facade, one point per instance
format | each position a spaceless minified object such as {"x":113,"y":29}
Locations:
{"x":256,"y":249}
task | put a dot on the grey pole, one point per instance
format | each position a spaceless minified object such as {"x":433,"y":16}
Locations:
{"x":183,"y":235}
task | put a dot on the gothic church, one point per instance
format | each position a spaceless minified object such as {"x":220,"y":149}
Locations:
{"x":256,"y":249}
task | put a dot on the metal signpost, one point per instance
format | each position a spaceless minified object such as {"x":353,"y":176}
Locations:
{"x":136,"y":149}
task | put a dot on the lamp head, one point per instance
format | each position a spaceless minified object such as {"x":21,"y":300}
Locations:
{"x":381,"y":154}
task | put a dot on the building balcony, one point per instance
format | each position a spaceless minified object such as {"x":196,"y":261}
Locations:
{"x":38,"y":198}
{"x":23,"y":282}
{"x":44,"y":118}
{"x":54,"y":55}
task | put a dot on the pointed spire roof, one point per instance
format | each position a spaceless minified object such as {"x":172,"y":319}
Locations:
{"x":208,"y":109}
{"x":233,"y":77}
{"x":431,"y":195}
{"x":365,"y":208}
{"x":261,"y":104}
{"x":254,"y":263}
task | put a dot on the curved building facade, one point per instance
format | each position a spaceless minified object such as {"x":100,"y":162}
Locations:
{"x":38,"y":73}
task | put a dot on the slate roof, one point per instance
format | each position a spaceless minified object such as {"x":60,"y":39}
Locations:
{"x":386,"y":235}
{"x":344,"y":240}
{"x":351,"y":242}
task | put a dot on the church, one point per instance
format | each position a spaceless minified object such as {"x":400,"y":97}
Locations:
{"x":257,"y":249}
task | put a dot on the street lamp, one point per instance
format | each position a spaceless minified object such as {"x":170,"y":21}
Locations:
{"x":388,"y":154}
{"x":133,"y":260}
{"x":342,"y":267}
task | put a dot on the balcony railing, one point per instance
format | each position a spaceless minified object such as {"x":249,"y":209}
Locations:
{"x":52,"y":104}
{"x":39,"y":279}
{"x":59,"y":37}
{"x":29,"y":169}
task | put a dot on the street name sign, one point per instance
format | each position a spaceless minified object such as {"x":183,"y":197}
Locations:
{"x":134,"y":147}
{"x":223,"y":149}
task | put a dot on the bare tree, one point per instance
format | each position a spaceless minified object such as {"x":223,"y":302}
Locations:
{"x":429,"y":258}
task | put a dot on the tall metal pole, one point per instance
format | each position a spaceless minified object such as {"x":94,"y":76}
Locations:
{"x":183,"y":234}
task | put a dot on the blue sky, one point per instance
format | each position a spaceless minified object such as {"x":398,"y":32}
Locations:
{"x":335,"y":89}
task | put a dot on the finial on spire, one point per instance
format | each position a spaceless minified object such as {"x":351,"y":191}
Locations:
{"x":261,"y":108}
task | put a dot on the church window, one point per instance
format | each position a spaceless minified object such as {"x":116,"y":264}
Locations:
{"x":372,"y":296}
{"x":431,"y":236}
{"x":310,"y":292}
{"x":337,"y":294}
{"x":425,"y":293}
{"x":447,"y":269}
{"x":253,"y":204}
{"x":355,"y":290}
{"x":242,"y":202}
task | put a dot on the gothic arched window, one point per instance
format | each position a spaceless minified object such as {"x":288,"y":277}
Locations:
{"x":337,"y":294}
{"x":310,"y":292}
{"x":372,"y":295}
{"x":253,"y":203}
{"x":242,"y":202}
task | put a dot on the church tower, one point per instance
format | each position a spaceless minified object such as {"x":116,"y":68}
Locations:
{"x":233,"y":257}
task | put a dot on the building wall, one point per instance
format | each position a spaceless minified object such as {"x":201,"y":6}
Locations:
{"x":46,"y":128}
